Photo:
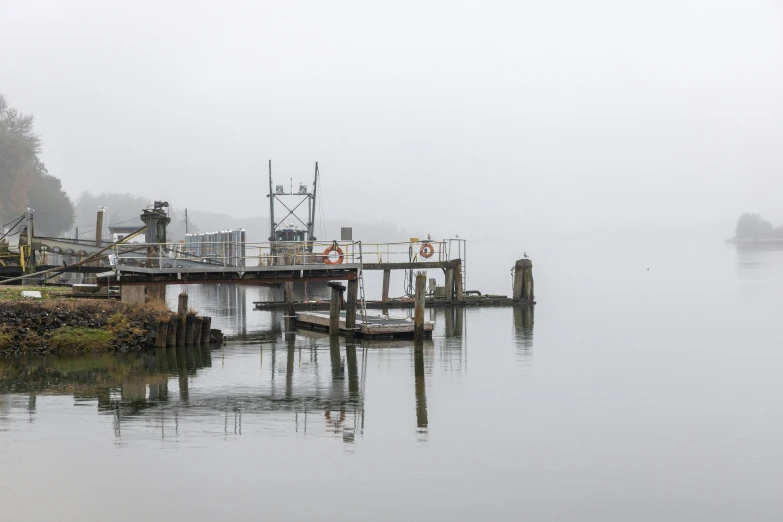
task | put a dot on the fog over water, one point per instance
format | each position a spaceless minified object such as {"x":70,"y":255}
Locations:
{"x":555,"y":114}
{"x":614,"y":143}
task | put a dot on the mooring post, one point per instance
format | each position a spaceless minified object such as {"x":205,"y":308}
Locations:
{"x":448,"y":287}
{"x":386,"y":280}
{"x":418,"y":313}
{"x":182,"y":317}
{"x":205,"y":328}
{"x":163,"y":330}
{"x":190,"y":326}
{"x":199,"y":324}
{"x":334,"y":308}
{"x":523,"y":281}
{"x":171,"y":336}
{"x":350,"y":308}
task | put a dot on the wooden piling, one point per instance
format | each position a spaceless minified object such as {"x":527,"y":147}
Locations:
{"x":199,"y":324}
{"x":523,"y":281}
{"x":334,"y":308}
{"x":290,"y":303}
{"x":190,"y":325}
{"x":205,"y":328}
{"x":171,"y":336}
{"x":350,"y":308}
{"x":163,"y":330}
{"x":386,"y":280}
{"x":182,"y":317}
{"x":418,"y":313}
{"x":448,"y":287}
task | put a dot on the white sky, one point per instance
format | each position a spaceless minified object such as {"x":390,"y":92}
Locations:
{"x":453,"y":114}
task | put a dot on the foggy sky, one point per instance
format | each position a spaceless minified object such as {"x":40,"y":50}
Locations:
{"x":539,"y":114}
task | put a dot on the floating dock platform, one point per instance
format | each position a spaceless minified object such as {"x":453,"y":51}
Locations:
{"x":375,"y":327}
{"x":488,"y":300}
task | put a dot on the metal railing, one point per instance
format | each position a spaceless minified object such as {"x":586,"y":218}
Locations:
{"x":238,"y":255}
{"x":283,"y":253}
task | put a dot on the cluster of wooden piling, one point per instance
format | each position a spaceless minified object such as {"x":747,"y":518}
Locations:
{"x":184,"y":328}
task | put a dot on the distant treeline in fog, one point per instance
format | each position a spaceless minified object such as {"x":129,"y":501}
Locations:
{"x":25,"y":181}
{"x":753,"y":226}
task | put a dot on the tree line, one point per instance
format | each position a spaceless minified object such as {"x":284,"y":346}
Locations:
{"x":753,"y":226}
{"x":24,"y":180}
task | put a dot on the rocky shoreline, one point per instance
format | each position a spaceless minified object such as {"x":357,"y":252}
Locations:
{"x":77,"y":326}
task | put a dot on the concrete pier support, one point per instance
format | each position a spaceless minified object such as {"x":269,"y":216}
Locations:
{"x":156,"y":292}
{"x":132,"y":294}
{"x":523,"y":281}
{"x":350,"y":307}
{"x":182,"y":317}
{"x":418,"y":313}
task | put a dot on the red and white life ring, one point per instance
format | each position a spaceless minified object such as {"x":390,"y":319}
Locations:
{"x":426,"y":250}
{"x":340,"y":256}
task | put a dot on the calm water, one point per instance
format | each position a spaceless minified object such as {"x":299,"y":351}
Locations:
{"x":630,"y":394}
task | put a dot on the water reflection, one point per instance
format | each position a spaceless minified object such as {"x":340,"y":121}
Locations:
{"x":421,"y":393}
{"x":524,"y":316}
{"x":272,"y":380}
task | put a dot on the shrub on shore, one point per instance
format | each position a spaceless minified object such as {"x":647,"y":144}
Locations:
{"x":76,"y":340}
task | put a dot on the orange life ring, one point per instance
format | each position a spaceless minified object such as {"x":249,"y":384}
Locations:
{"x":426,"y":250}
{"x":329,"y":250}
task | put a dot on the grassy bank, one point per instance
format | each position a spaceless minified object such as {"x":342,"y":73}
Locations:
{"x":14,"y":293}
{"x":77,"y":326}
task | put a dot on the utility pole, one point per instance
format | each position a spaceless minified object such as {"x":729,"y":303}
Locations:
{"x":186,"y":221}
